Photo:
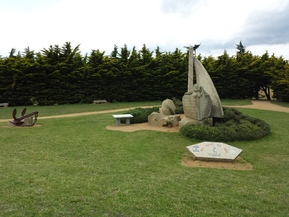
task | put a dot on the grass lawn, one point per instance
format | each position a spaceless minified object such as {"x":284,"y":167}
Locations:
{"x":235,"y":102}
{"x":6,"y":113}
{"x":76,"y":167}
{"x":284,"y":104}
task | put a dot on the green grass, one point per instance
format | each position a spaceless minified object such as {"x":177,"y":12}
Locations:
{"x":76,"y":167}
{"x":235,"y":102}
{"x":284,"y":104}
{"x":6,"y":113}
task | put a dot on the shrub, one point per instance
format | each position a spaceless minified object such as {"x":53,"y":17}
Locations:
{"x":179,"y":106}
{"x":179,"y":110}
{"x":234,"y":126}
{"x":140,"y":115}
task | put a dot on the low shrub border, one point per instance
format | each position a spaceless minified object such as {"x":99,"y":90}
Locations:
{"x":140,"y":115}
{"x":235,"y":126}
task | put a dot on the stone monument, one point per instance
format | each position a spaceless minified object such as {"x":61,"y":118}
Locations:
{"x":165,"y":116}
{"x":201,"y":102}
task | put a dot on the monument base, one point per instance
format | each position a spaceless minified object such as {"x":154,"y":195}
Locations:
{"x":159,"y":120}
{"x":186,"y":121}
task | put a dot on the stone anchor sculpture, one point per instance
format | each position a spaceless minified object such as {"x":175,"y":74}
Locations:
{"x":201,"y":102}
{"x":24,"y":120}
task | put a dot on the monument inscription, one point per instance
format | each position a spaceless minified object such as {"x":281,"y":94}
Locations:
{"x":214,"y":151}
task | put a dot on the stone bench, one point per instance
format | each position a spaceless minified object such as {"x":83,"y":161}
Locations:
{"x":99,"y":101}
{"x":4,"y":104}
{"x":125,"y":117}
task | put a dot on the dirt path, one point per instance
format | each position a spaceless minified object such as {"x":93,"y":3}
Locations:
{"x":264,"y":105}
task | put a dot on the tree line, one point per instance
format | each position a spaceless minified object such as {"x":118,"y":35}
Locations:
{"x":61,"y":75}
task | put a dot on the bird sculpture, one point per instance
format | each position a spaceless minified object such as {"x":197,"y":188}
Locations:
{"x":196,"y":46}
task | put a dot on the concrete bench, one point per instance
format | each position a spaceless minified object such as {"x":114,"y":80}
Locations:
{"x":125,"y":117}
{"x":99,"y":101}
{"x":4,"y":104}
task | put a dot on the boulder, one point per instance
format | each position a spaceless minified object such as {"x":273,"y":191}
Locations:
{"x":168,"y":107}
{"x":159,"y":120}
{"x":154,"y":118}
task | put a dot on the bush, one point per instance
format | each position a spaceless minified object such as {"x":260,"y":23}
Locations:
{"x":140,"y":115}
{"x":234,"y":126}
{"x":179,"y":106}
{"x":179,"y":110}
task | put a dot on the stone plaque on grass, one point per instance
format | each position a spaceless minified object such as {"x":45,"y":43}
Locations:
{"x":214,"y":151}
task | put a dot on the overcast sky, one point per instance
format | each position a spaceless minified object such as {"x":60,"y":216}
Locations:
{"x":261,"y":25}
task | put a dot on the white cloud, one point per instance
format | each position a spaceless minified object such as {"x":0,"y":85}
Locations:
{"x":276,"y":49}
{"x":97,"y":24}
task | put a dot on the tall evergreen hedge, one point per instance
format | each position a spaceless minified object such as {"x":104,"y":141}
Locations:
{"x":61,"y":75}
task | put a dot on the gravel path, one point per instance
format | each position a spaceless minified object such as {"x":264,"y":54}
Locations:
{"x":264,"y":105}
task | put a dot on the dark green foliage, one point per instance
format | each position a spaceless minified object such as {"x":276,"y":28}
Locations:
{"x":240,"y":48}
{"x":280,"y":81}
{"x":179,"y":106}
{"x":179,"y":110}
{"x":140,"y":115}
{"x":60,"y":75}
{"x":233,"y":127}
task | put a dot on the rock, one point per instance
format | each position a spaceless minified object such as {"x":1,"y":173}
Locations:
{"x":154,"y":118}
{"x":168,"y":107}
{"x":186,"y":121}
{"x":159,"y":120}
{"x":172,"y":119}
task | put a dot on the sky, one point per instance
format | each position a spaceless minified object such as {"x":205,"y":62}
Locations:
{"x":261,"y":25}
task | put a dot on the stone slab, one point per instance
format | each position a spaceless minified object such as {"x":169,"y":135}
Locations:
{"x":4,"y":104}
{"x":99,"y":101}
{"x":214,"y":151}
{"x":118,"y":118}
{"x":123,"y":116}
